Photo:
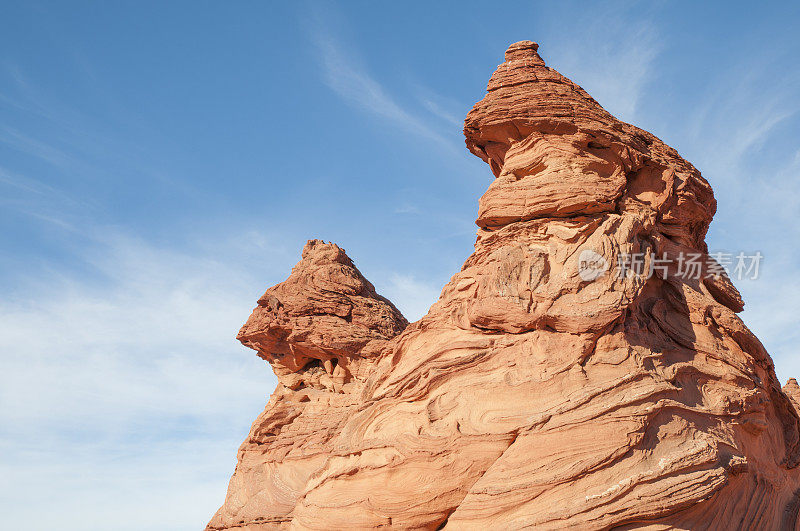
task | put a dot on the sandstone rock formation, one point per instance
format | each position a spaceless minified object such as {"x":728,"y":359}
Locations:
{"x":531,"y":394}
{"x":792,"y":390}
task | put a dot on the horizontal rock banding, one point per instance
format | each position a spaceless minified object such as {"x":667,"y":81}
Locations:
{"x":530,"y":395}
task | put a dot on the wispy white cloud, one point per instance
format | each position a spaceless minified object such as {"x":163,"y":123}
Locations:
{"x":80,"y":143}
{"x":768,"y":303}
{"x":741,"y":137}
{"x":129,"y":380}
{"x":439,"y":106}
{"x":37,"y":200}
{"x":738,"y":115}
{"x":437,"y":110}
{"x":407,"y":208}
{"x":23,"y":183}
{"x":34,"y":147}
{"x":412,"y":296}
{"x":121,"y":383}
{"x":613,"y":58}
{"x":169,"y":485}
{"x":344,"y":72}
{"x":354,"y":84}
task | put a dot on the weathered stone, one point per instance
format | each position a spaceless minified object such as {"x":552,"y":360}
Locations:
{"x":531,"y":394}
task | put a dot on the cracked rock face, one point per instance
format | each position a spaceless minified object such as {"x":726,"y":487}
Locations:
{"x":531,"y":394}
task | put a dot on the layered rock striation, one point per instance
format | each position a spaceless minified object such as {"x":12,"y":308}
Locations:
{"x":552,"y":385}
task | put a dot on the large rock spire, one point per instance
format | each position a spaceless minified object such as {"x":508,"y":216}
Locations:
{"x":575,"y":373}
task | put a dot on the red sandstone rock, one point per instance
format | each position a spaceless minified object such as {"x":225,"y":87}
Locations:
{"x":323,"y":326}
{"x":792,"y":390}
{"x":530,"y":395}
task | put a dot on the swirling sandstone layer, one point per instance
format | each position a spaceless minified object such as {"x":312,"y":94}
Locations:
{"x":529,"y":395}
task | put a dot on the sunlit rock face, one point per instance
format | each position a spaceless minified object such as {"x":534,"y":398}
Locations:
{"x":547,"y":387}
{"x":324,"y":326}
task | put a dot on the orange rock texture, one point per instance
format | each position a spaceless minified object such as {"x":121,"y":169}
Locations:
{"x":532,"y":394}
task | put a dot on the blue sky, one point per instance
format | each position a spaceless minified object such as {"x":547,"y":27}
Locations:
{"x":162,"y":164}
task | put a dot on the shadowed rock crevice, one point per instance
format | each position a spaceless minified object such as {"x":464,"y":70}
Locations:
{"x":531,"y":394}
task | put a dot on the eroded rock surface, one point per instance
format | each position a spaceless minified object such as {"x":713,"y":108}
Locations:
{"x":324,"y":326}
{"x":530,"y":395}
{"x":792,"y":390}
